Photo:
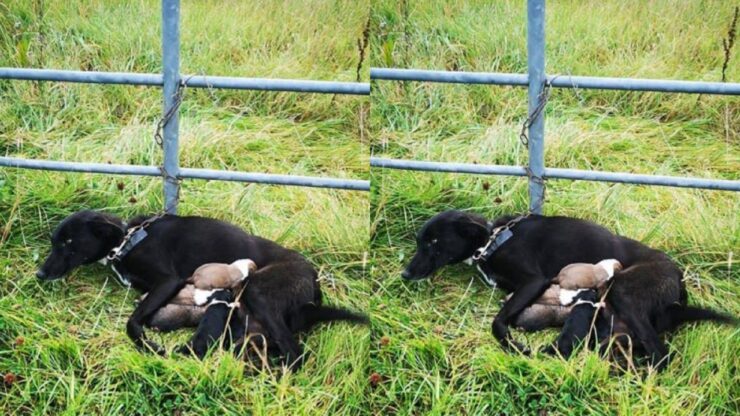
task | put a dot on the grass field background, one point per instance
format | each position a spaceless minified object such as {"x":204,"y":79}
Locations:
{"x":432,"y":346}
{"x":66,"y":340}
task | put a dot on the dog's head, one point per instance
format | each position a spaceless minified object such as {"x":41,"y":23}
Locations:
{"x":82,"y":238}
{"x":447,"y":238}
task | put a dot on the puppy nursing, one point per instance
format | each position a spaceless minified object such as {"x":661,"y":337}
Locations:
{"x":578,"y":277}
{"x":555,"y":305}
{"x":212,"y":276}
{"x":189,"y":305}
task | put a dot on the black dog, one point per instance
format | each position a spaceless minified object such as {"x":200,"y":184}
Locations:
{"x":283,"y":292}
{"x":648,"y":295}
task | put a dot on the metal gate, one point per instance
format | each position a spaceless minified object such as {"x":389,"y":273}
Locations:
{"x":172,"y":81}
{"x":537,"y":82}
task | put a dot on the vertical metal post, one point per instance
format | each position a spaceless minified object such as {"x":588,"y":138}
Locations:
{"x":536,"y":67}
{"x":171,"y":75}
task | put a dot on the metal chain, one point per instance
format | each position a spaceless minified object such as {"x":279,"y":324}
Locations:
{"x":173,"y":180}
{"x":179,"y":96}
{"x":159,"y":139}
{"x":542,"y":100}
{"x":541,"y":181}
{"x":113,"y":254}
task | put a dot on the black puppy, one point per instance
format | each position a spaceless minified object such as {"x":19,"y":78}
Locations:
{"x":220,"y":319}
{"x":648,"y":295}
{"x":159,"y":259}
{"x":579,"y":323}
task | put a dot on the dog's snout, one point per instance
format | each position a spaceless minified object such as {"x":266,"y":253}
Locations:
{"x":40,"y":274}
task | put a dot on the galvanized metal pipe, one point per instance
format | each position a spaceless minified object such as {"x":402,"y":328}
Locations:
{"x":359,"y":88}
{"x":558,"y":173}
{"x":454,"y":77}
{"x":637,"y":84}
{"x":170,"y":111}
{"x":87,"y":77}
{"x":185,"y":173}
{"x":192,"y":81}
{"x":450,"y":167}
{"x":536,"y":136}
{"x":267,"y":84}
{"x":557,"y":81}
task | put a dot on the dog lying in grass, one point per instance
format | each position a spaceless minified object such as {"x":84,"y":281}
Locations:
{"x":648,"y":295}
{"x":157,"y":254}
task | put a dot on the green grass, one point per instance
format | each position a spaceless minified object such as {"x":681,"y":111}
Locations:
{"x":75,"y":357}
{"x":431,"y":342}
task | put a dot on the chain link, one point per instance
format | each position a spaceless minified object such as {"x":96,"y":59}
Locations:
{"x":113,"y":254}
{"x":179,"y":96}
{"x":159,"y":139}
{"x":542,"y":100}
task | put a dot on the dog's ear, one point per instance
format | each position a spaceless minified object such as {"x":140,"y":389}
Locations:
{"x":472,"y":229}
{"x":106,"y":230}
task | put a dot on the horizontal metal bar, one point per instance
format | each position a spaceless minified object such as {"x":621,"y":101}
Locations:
{"x":88,"y":77}
{"x":638,"y":84}
{"x":559,"y":173}
{"x":456,"y":77}
{"x":273,"y":179}
{"x":447,"y":167}
{"x":194,"y":173}
{"x":267,"y":84}
{"x":193,"y":81}
{"x":558,"y":81}
{"x":640,"y":179}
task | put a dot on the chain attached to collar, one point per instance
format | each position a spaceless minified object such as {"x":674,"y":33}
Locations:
{"x":134,"y":236}
{"x":498,"y":237}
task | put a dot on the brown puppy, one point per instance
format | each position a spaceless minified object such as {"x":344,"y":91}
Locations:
{"x":551,"y":308}
{"x":187,"y":314}
{"x":185,"y":296}
{"x":544,"y":313}
{"x":539,"y":316}
{"x":221,"y":276}
{"x":577,"y":277}
{"x":175,"y":316}
{"x":188,"y":306}
{"x":587,"y":276}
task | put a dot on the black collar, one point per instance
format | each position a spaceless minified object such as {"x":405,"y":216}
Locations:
{"x":497,"y":239}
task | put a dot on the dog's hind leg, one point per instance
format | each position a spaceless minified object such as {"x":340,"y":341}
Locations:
{"x":520,"y":299}
{"x":649,"y":339}
{"x":278,"y":331}
{"x":290,"y":350}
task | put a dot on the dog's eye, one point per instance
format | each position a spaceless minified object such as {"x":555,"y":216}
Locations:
{"x":69,"y":241}
{"x":434,"y":241}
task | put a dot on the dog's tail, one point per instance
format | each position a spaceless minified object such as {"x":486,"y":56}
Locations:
{"x":677,"y":315}
{"x":310,"y":315}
